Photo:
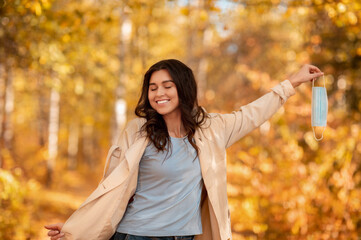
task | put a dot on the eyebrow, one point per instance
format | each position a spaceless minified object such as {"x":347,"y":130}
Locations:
{"x":165,"y":81}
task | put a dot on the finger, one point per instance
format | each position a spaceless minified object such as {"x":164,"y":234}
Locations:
{"x":53,"y":233}
{"x":316,"y":75}
{"x":55,"y":226}
{"x":48,"y":227}
{"x":314,"y":68}
{"x":52,"y":226}
{"x":57,"y":237}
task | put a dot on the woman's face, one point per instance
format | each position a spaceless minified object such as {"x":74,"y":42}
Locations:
{"x":163,"y":94}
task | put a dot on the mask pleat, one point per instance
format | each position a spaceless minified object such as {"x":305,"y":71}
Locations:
{"x":319,"y":106}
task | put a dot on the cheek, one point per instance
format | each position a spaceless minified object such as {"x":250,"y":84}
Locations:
{"x":150,"y":95}
{"x":176,"y":96}
{"x":150,"y":98}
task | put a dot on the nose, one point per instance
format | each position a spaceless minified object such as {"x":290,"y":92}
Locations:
{"x":160,"y":91}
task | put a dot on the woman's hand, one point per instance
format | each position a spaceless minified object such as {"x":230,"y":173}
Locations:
{"x":305,"y":74}
{"x":55,"y":231}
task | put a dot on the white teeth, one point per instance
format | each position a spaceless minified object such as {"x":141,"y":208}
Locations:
{"x":163,"y":101}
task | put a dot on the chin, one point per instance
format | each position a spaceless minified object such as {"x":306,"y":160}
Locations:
{"x":162,"y":113}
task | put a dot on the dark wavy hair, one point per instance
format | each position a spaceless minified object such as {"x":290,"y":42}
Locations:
{"x":192,"y":115}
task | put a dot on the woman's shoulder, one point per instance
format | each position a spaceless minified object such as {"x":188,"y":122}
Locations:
{"x":213,"y":119}
{"x":135,"y":124}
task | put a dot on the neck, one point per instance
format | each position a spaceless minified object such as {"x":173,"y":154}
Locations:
{"x":174,"y":125}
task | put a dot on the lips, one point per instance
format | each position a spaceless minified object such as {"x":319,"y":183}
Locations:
{"x":162,"y":101}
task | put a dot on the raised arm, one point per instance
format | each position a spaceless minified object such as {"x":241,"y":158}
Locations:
{"x":241,"y":122}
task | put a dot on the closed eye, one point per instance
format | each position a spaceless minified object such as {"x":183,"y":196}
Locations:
{"x":166,"y":87}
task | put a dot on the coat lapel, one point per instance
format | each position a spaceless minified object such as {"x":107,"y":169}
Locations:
{"x":135,"y":152}
{"x":121,"y":172}
{"x":203,"y":159}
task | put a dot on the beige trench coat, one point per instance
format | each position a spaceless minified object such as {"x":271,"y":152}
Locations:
{"x":97,"y":218}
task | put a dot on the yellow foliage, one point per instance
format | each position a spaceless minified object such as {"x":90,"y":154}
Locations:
{"x":15,"y":214}
{"x":283,"y":184}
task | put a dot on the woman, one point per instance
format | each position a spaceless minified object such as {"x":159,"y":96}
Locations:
{"x":167,"y":174}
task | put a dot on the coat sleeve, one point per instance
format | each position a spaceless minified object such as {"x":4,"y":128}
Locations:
{"x":239,"y":123}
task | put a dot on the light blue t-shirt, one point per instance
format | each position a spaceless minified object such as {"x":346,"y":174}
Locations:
{"x":168,"y":194}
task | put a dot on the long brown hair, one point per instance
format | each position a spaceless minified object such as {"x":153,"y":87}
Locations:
{"x":192,"y":115}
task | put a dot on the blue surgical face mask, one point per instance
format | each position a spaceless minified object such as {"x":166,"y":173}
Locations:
{"x":319,"y":108}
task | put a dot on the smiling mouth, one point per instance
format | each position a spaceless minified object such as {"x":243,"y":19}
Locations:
{"x":162,"y":101}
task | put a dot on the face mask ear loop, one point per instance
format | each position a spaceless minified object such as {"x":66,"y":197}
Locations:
{"x":314,"y":134}
{"x":324,"y":81}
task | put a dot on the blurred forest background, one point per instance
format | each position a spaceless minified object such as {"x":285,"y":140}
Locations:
{"x":70,"y":77}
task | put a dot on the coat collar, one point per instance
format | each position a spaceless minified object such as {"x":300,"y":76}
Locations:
{"x":135,"y":151}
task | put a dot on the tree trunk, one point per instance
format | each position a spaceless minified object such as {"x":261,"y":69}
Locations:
{"x":88,"y":144}
{"x":42,"y":118}
{"x":53,"y":134}
{"x":2,"y":110}
{"x":120,"y":110}
{"x":203,"y":61}
{"x":6,"y":112}
{"x":202,"y":77}
{"x":73,"y":142}
{"x":190,"y":35}
{"x":9,"y":109}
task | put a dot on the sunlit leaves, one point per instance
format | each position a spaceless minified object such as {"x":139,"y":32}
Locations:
{"x":15,"y":213}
